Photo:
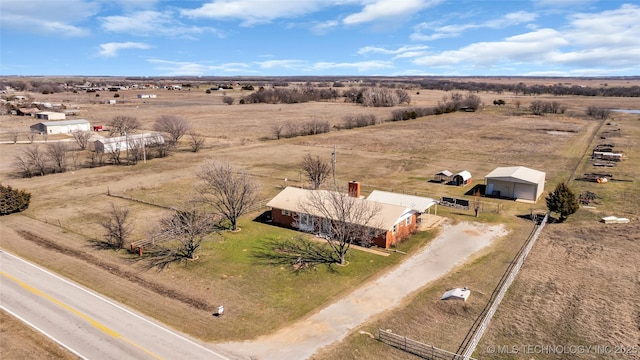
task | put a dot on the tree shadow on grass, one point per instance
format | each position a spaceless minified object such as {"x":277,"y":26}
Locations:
{"x":299,"y":254}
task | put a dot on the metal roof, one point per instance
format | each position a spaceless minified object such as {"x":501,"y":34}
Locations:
{"x":519,"y":174}
{"x":445,"y":173}
{"x":64,"y":122}
{"x":417,"y":203}
{"x":457,"y":293}
{"x":464,"y":174}
{"x":294,"y":199}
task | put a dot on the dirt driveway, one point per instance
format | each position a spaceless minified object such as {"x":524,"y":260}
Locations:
{"x":301,"y":340}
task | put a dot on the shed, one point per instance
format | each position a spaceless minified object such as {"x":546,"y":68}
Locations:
{"x":516,"y":182}
{"x":50,"y":115}
{"x":456,"y":294}
{"x":462,"y":178}
{"x":61,"y":127}
{"x":443,"y":176}
{"x":121,"y":143}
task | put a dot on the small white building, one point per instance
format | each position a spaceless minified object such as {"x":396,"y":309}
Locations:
{"x":456,"y":294}
{"x":147,"y":96}
{"x":122,"y":143}
{"x":516,"y":182}
{"x":61,"y":127}
{"x":50,"y":115}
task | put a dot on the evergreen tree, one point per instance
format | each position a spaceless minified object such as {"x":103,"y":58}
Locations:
{"x":12,"y":201}
{"x":562,"y":201}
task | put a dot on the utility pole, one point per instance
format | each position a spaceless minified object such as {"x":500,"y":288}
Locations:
{"x":333,"y":165}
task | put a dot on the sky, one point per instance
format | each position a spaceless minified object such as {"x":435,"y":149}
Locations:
{"x":320,"y":37}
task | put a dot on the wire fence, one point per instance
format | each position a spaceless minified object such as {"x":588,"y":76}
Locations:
{"x":474,"y":335}
{"x":417,"y":348}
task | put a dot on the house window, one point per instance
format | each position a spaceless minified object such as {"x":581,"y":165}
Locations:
{"x":395,"y":228}
{"x":408,"y":222}
{"x":286,"y":212}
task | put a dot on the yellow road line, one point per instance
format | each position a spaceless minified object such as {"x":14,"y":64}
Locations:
{"x":94,"y":323}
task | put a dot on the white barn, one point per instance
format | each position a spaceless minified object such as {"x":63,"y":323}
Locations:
{"x":121,"y":143}
{"x":516,"y":182}
{"x":61,"y":127}
{"x":51,"y":115}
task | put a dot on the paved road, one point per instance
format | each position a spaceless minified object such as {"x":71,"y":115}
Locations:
{"x":304,"y":338}
{"x":87,"y":324}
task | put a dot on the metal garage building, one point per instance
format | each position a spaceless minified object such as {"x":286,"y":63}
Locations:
{"x":61,"y":127}
{"x":516,"y":182}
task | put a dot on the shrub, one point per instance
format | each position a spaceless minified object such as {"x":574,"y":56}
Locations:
{"x":13,"y":201}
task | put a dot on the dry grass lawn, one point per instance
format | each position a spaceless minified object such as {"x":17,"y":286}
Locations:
{"x":66,"y":209}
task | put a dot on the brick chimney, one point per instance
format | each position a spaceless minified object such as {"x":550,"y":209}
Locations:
{"x":354,"y":189}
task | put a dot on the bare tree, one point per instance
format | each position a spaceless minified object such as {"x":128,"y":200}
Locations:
{"x":57,"y":153}
{"x":230,"y":192}
{"x":37,"y":160}
{"x":184,"y":231}
{"x":173,"y":125}
{"x":227,"y":100}
{"x":31,"y":136}
{"x":23,"y":166}
{"x":316,"y":169}
{"x":122,"y":124}
{"x":196,"y":141}
{"x":117,"y":227}
{"x":13,"y":135}
{"x":276,"y":130}
{"x":82,"y":138}
{"x":344,"y":219}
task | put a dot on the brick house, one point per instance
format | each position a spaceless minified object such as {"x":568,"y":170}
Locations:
{"x":391,"y":224}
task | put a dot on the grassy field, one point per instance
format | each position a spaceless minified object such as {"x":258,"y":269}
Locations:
{"x":66,"y":208}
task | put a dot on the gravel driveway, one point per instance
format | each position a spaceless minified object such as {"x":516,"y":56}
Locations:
{"x":302,"y":339}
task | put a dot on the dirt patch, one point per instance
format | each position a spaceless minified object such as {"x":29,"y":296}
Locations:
{"x":579,"y":281}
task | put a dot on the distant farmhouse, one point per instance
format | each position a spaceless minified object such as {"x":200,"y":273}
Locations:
{"x":61,"y":127}
{"x":121,"y":143}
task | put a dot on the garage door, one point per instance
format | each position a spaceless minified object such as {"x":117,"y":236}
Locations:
{"x":524,"y":191}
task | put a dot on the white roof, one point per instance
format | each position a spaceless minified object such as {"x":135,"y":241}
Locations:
{"x":64,"y":122}
{"x":465,"y":175}
{"x":519,"y":174}
{"x":456,"y":294}
{"x":417,"y":203}
{"x":149,"y":138}
{"x":445,"y":173}
{"x":293,"y":199}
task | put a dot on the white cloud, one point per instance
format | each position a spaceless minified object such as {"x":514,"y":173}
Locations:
{"x":287,"y":64}
{"x":608,"y":39}
{"x":111,"y":49}
{"x":151,"y":23}
{"x":450,"y":31}
{"x":324,"y":27}
{"x":361,"y":66}
{"x":381,"y":9}
{"x":254,"y":11}
{"x":403,"y":52}
{"x":186,"y":68}
{"x":47,"y":17}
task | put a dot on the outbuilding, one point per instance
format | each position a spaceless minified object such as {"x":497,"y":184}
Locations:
{"x":51,"y":115}
{"x":515,"y":182}
{"x":121,"y":143}
{"x":443,"y":176}
{"x":462,"y":178}
{"x":61,"y":127}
